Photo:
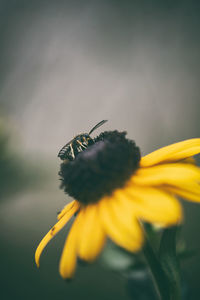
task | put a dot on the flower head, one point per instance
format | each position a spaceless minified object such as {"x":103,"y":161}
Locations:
{"x":114,"y":189}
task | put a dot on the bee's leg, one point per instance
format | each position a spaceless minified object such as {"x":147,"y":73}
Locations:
{"x":72,"y":150}
{"x":85,"y":142}
{"x":81,"y":144}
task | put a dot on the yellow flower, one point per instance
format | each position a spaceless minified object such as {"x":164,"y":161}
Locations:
{"x":147,"y":194}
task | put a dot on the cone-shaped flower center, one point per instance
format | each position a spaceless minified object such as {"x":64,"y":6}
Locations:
{"x":101,"y":168}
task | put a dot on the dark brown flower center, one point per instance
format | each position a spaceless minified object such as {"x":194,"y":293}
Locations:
{"x":101,"y":168}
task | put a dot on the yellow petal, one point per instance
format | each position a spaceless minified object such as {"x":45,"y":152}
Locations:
{"x":153,"y":205}
{"x":53,"y":231}
{"x":68,"y":259}
{"x":189,"y":191}
{"x":92,"y":237}
{"x":166,"y":174}
{"x":127,"y":219}
{"x":126,"y":235}
{"x":174,"y":152}
{"x":67,"y":208}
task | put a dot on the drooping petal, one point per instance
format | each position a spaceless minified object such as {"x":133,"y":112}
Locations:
{"x":68,"y":259}
{"x":153,"y":205}
{"x":124,"y":233}
{"x":166,"y":174}
{"x":53,"y":231}
{"x":67,"y":208}
{"x":92,"y":237}
{"x":174,"y":152}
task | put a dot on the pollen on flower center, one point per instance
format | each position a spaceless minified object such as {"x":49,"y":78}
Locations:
{"x":101,"y":168}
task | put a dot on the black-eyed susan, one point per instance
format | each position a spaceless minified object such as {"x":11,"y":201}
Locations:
{"x":114,"y":189}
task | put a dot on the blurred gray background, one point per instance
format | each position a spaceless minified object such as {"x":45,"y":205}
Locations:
{"x":64,"y":66}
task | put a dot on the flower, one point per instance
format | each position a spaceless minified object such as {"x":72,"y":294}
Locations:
{"x":115,"y":189}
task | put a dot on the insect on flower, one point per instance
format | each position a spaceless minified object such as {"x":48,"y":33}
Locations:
{"x":78,"y":144}
{"x":115,"y":189}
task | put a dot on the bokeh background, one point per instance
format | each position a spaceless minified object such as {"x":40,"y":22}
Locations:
{"x":64,"y":66}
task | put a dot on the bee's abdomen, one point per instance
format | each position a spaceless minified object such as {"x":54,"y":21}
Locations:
{"x":64,"y":152}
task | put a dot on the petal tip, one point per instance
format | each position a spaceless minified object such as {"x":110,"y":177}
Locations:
{"x":37,"y":260}
{"x":68,"y":276}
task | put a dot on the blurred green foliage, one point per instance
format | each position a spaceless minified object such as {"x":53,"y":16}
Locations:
{"x":16,"y":172}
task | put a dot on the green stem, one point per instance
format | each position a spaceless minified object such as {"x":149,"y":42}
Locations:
{"x":159,"y":277}
{"x":169,"y":261}
{"x":164,"y":266}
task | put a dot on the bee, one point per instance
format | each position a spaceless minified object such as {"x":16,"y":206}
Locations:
{"x":78,"y":144}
